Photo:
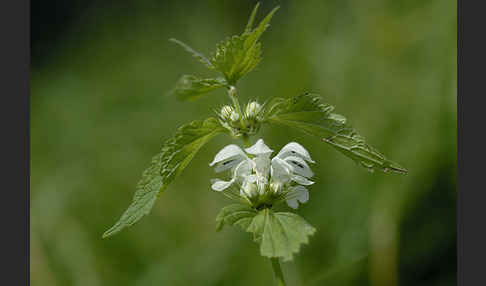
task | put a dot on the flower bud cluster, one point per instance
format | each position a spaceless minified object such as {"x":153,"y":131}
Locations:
{"x":247,"y":123}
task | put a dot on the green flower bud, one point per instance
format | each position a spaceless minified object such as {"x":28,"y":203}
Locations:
{"x":226,"y":111}
{"x":252,"y":109}
{"x":275,"y":187}
{"x":250,"y":189}
{"x":234,"y":116}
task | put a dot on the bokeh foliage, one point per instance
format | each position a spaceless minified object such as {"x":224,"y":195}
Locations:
{"x":100,"y":109}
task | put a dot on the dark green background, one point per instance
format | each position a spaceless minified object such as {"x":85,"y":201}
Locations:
{"x":100,"y":75}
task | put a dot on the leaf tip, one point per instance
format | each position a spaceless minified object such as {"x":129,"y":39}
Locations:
{"x":274,"y":10}
{"x":108,"y":233}
{"x":396,"y":169}
{"x":174,"y":40}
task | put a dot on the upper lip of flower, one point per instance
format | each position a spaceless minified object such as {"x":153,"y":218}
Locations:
{"x":259,"y":148}
{"x":297,"y":165}
{"x":228,"y":157}
{"x":283,"y":172}
{"x":294,"y":149}
{"x":288,"y":165}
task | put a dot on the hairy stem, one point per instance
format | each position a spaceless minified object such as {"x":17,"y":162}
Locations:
{"x":234,"y":97}
{"x":277,"y":271}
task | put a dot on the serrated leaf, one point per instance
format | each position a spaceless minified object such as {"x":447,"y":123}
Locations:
{"x":235,"y":214}
{"x":238,"y":55}
{"x":306,"y":113}
{"x":190,"y":87}
{"x":280,"y":234}
{"x":175,"y":155}
{"x":199,"y":56}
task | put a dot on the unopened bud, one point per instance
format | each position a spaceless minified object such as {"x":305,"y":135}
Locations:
{"x":250,"y":189}
{"x":226,"y":111}
{"x":275,"y":187}
{"x":252,"y":109}
{"x":234,"y":116}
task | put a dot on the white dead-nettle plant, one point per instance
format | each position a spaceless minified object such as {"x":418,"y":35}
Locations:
{"x":257,"y":182}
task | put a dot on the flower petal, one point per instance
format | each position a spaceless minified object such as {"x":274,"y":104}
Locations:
{"x":293,"y":203}
{"x":251,"y":178}
{"x":299,"y":166}
{"x":296,"y":195}
{"x":303,"y":194}
{"x":280,"y":171}
{"x":228,"y":157}
{"x":301,"y":180}
{"x":294,"y":149}
{"x":262,"y":165}
{"x":242,"y":170}
{"x":259,"y":148}
{"x":249,"y":189}
{"x":220,"y":185}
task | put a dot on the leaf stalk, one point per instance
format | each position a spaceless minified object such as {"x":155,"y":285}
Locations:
{"x":279,"y":279}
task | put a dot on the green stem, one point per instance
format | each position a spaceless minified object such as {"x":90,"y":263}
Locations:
{"x":246,"y":140}
{"x":278,"y":272}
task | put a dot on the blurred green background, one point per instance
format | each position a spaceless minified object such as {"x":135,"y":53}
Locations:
{"x":100,"y":75}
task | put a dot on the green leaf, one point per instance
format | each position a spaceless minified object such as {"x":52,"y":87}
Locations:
{"x":175,"y":155}
{"x":199,"y":56}
{"x":235,"y":214}
{"x":190,"y":87}
{"x":249,"y":25}
{"x":238,"y":55}
{"x":306,"y":113}
{"x":280,"y":234}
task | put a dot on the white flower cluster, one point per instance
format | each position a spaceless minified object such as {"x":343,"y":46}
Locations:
{"x":264,"y":181}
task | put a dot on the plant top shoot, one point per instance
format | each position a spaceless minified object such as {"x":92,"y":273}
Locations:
{"x":256,"y":181}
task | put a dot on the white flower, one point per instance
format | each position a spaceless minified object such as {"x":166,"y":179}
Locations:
{"x":240,"y":172}
{"x":290,"y":165}
{"x":261,"y":164}
{"x":228,"y":157}
{"x":257,"y":175}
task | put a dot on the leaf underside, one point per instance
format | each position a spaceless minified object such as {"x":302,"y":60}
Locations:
{"x":279,"y":234}
{"x":306,"y":113}
{"x":190,"y":87}
{"x":199,"y":56}
{"x":235,"y":214}
{"x":176,"y":153}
